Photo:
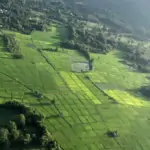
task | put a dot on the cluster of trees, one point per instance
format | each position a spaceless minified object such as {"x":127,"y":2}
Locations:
{"x":145,"y":91}
{"x":81,"y":49}
{"x":17,"y":16}
{"x":119,"y":16}
{"x":96,"y":42}
{"x":134,"y":54}
{"x":26,"y":15}
{"x":12,"y":46}
{"x":18,"y":132}
{"x":51,"y":49}
{"x":76,"y":46}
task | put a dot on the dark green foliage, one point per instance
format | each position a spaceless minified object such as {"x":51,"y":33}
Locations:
{"x":4,"y":138}
{"x":14,"y":135}
{"x":145,"y":91}
{"x":51,"y":49}
{"x":27,"y":138}
{"x":12,"y":126}
{"x":36,"y":93}
{"x":143,"y":68}
{"x":76,"y":46}
{"x":16,"y":106}
{"x":12,"y":46}
{"x":134,"y":55}
{"x":10,"y":43}
{"x":97,"y":42}
{"x":22,"y":16}
{"x":87,"y":77}
{"x":112,"y":134}
{"x":71,"y":32}
{"x":51,"y":145}
{"x":20,"y":120}
{"x":42,"y":129}
{"x":17,"y":56}
{"x":91,"y":63}
{"x":17,"y":132}
{"x":21,"y":139}
{"x":120,"y":15}
{"x":111,"y":43}
{"x":18,"y":17}
{"x":44,"y":140}
{"x":33,"y":118}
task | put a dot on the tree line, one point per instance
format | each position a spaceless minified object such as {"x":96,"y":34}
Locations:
{"x":25,"y":129}
{"x":12,"y":46}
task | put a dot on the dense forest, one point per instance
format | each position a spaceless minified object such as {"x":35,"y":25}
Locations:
{"x":26,"y":128}
{"x":129,"y":16}
{"x":123,"y":15}
{"x":119,"y":18}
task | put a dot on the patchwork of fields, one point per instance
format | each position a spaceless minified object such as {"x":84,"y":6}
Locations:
{"x":90,"y":103}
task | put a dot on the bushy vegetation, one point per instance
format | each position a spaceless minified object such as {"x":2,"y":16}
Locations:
{"x":95,"y":40}
{"x":51,"y":49}
{"x":76,"y":46}
{"x":145,"y":91}
{"x":134,"y":54}
{"x":25,"y":129}
{"x":12,"y":46}
{"x":18,"y":15}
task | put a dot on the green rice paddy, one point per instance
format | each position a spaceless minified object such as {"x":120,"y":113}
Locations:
{"x":88,"y":110}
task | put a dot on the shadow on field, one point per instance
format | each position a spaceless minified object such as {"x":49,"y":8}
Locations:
{"x":41,"y":104}
{"x":126,"y":63}
{"x":29,"y":93}
{"x":140,"y":64}
{"x":55,"y":44}
{"x":31,"y":45}
{"x":53,"y":116}
{"x":143,"y":92}
{"x":6,"y":58}
{"x":9,"y":97}
{"x":55,"y":37}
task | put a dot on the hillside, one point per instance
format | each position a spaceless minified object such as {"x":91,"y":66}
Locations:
{"x":130,"y":15}
{"x":134,"y":12}
{"x":69,"y":83}
{"x":90,"y":103}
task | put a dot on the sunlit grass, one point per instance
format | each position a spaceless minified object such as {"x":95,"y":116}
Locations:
{"x":77,"y":97}
{"x":75,"y":85}
{"x":108,"y":69}
{"x":125,"y":98}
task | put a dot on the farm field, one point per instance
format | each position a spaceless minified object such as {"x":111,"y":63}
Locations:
{"x":90,"y":103}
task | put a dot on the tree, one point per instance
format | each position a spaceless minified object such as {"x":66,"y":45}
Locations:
{"x":20,"y":120}
{"x":12,"y":126}
{"x":72,"y":32}
{"x":15,"y":134}
{"x":33,"y":118}
{"x":4,"y":138}
{"x":51,"y":145}
{"x":44,"y":140}
{"x":17,"y":55}
{"x":27,"y":138}
{"x":45,"y":136}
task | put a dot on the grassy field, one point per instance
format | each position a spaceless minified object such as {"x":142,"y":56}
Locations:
{"x":88,"y":110}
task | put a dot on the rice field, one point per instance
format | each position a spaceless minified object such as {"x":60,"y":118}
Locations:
{"x":125,"y":98}
{"x":88,"y":111}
